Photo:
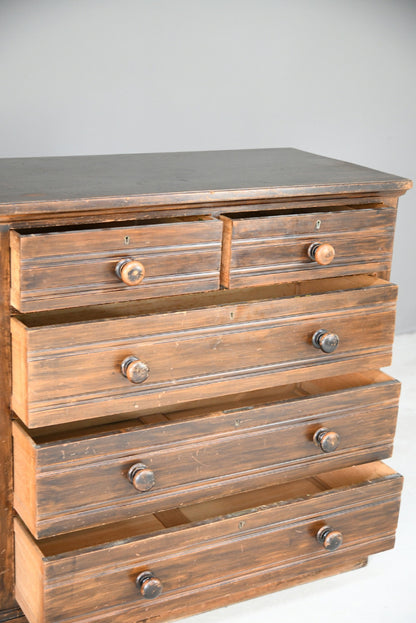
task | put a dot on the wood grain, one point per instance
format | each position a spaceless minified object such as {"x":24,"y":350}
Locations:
{"x":68,"y":268}
{"x":72,"y":372}
{"x":6,"y":492}
{"x":54,"y":201}
{"x":195,"y":456}
{"x":33,"y":186}
{"x":15,"y":615}
{"x":274,"y":248}
{"x":269,"y":537}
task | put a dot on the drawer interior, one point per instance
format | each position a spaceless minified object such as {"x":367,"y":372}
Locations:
{"x":49,"y":229}
{"x":187,"y":302}
{"x":242,"y":401}
{"x":207,"y":512}
{"x":247,"y":441}
{"x":305,"y":210}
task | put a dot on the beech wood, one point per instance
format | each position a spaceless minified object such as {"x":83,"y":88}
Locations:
{"x":7,"y":601}
{"x":323,"y":254}
{"x":131,"y":272}
{"x":202,"y":353}
{"x":259,"y":539}
{"x":14,"y":615}
{"x":59,"y":199}
{"x":328,"y":441}
{"x":31,"y":186}
{"x":67,"y":268}
{"x":272,"y":248}
{"x":330,"y":539}
{"x":260,"y":443}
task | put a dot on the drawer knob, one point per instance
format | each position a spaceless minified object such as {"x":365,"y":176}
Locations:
{"x":327,"y":440}
{"x":149,"y":586}
{"x":321,"y":253}
{"x":141,"y":477}
{"x":325,"y":340}
{"x":329,"y":538}
{"x":130,"y":272}
{"x":134,"y":370}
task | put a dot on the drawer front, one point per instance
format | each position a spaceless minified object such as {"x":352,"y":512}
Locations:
{"x":73,"y":372}
{"x":66,"y":269}
{"x":197,"y":557}
{"x":272,"y":249}
{"x":200,"y":458}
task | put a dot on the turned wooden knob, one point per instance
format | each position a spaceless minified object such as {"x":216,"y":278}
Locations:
{"x":130,"y":272}
{"x":141,"y":477}
{"x":327,"y":440}
{"x":325,"y":340}
{"x":149,"y":586}
{"x":321,"y":253}
{"x":134,"y":370}
{"x":329,"y":538}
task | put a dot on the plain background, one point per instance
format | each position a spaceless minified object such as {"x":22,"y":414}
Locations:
{"x":329,"y":76}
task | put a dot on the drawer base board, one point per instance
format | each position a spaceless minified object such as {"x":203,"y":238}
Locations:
{"x":242,"y":589}
{"x":231,"y":592}
{"x":14,"y":615}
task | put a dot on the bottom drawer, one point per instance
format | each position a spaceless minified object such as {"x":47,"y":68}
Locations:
{"x":178,"y":562}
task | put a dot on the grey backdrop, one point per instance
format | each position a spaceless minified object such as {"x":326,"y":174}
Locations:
{"x":336,"y":77}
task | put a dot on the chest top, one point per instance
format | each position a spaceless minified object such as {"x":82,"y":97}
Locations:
{"x":30,"y":186}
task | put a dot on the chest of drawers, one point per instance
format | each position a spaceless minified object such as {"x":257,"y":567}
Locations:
{"x":192,"y":409}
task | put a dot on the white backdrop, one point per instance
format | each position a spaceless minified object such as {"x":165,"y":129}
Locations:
{"x":336,"y":77}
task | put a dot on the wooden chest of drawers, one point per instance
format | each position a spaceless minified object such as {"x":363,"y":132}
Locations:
{"x":192,"y":409}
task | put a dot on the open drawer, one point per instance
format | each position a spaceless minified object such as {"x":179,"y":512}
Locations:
{"x":179,"y":562}
{"x":92,"y":265}
{"x":261,"y":249}
{"x":115,"y":472}
{"x":131,"y":359}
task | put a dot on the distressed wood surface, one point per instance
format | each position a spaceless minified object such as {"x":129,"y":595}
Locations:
{"x":64,"y":269}
{"x":15,"y":615}
{"x":198,"y":556}
{"x":6,"y":492}
{"x":195,"y":354}
{"x":63,"y":484}
{"x":260,"y":250}
{"x":29,"y":186}
{"x":102,"y":191}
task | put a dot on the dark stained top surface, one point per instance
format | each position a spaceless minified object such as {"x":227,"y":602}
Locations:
{"x":32,"y":185}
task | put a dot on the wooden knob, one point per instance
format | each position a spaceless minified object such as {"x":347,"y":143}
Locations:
{"x":321,"y":253}
{"x":325,"y":340}
{"x":130,"y":272}
{"x":326,"y":439}
{"x":329,"y":538}
{"x":134,"y":370}
{"x":149,"y":586}
{"x":141,"y":477}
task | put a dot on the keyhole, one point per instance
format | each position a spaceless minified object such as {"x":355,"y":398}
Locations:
{"x":126,"y":240}
{"x":318,"y":224}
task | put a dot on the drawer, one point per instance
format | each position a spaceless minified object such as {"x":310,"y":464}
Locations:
{"x":116,"y":472}
{"x":239,"y":341}
{"x":272,"y":248}
{"x":61,"y":268}
{"x":191,"y":559}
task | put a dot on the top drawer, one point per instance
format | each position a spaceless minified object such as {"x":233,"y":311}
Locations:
{"x":60,"y":269}
{"x":266,"y":248}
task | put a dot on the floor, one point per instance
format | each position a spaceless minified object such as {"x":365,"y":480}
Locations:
{"x":385,"y":590}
